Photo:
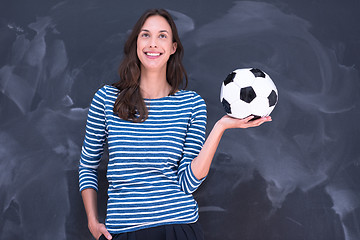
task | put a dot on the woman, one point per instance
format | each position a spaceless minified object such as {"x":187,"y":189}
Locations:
{"x":155,"y":134}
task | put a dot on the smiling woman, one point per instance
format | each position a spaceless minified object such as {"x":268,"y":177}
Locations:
{"x":136,"y":50}
{"x":155,"y":45}
{"x":155,"y":132}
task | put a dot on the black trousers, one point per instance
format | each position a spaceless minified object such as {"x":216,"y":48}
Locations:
{"x":191,"y":231}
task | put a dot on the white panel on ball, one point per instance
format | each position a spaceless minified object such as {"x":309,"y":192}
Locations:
{"x":244,"y":77}
{"x":263,"y":86}
{"x":260,"y":107}
{"x":240,"y":109}
{"x":232,"y":92}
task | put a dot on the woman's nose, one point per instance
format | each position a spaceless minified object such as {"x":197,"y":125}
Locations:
{"x":153,"y":42}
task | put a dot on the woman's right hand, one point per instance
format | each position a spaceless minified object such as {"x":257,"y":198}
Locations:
{"x":97,"y":229}
{"x":89,"y":196}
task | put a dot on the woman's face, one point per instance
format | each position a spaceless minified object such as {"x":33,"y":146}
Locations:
{"x":155,"y":44}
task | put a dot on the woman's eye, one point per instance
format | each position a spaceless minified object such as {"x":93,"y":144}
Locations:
{"x":162,"y":36}
{"x":145,"y":35}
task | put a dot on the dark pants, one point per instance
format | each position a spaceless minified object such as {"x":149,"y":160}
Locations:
{"x":166,"y":232}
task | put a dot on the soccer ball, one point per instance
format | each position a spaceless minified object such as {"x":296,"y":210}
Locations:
{"x":248,"y":91}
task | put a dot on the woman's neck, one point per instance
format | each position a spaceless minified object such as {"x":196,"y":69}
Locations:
{"x":154,"y":85}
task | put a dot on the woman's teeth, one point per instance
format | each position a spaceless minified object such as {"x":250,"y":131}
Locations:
{"x":153,"y":54}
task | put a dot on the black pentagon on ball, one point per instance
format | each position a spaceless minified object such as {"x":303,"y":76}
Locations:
{"x":226,"y":106}
{"x":272,"y":98}
{"x":247,"y":94}
{"x":229,"y":78}
{"x":257,"y":72}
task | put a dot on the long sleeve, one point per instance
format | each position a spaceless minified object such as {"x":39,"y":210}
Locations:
{"x":194,"y":140}
{"x":149,"y":168}
{"x":93,"y":145}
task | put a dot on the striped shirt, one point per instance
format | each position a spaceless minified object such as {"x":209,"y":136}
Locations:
{"x":149,"y":169}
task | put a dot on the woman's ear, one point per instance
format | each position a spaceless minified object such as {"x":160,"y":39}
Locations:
{"x":174,"y":47}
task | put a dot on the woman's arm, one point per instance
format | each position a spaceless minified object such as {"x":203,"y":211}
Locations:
{"x":92,"y":149}
{"x":200,"y":166}
{"x":89,"y":197}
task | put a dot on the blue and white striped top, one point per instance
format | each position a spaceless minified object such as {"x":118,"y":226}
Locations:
{"x":149,"y":172}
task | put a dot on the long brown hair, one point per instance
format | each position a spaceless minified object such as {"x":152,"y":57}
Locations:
{"x":129,"y":101}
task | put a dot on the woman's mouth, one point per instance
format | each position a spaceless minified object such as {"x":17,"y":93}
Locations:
{"x":152,"y":54}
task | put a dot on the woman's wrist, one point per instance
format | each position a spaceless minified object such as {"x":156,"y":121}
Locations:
{"x":220,"y":126}
{"x":92,"y":222}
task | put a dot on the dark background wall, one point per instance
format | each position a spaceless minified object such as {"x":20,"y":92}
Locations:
{"x":295,"y":178}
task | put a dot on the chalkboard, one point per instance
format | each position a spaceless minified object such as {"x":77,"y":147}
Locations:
{"x":297,"y":177}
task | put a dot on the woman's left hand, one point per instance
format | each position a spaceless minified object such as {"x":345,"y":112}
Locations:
{"x":228,"y":122}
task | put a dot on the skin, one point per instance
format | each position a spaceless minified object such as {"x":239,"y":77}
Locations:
{"x":96,"y":228}
{"x":201,"y":164}
{"x":154,"y":47}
